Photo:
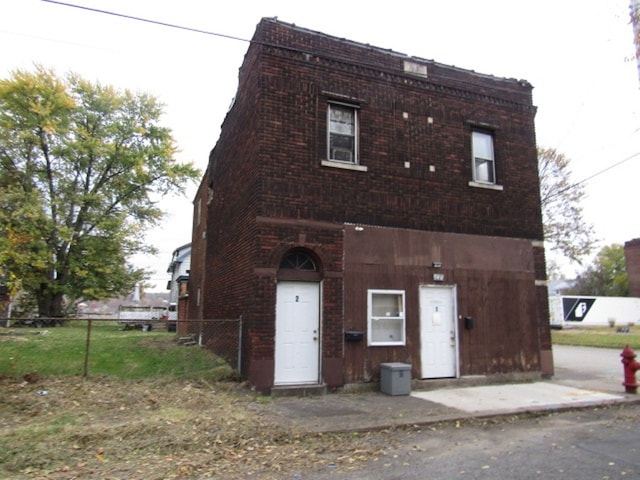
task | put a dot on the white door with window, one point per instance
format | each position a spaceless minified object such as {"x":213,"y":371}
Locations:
{"x":438,"y":332}
{"x":297,"y":349}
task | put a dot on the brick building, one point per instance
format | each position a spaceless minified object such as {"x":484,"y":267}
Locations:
{"x":362,"y":206}
{"x":179,"y":269}
{"x":632,"y":259}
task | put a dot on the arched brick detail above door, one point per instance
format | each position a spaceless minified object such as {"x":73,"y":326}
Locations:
{"x":300,"y":264}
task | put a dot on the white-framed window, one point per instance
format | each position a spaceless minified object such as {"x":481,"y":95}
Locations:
{"x":386,"y":318}
{"x":342,"y":133}
{"x":484,"y":168}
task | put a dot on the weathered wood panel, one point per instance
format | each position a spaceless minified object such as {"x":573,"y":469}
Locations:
{"x":495,"y":285}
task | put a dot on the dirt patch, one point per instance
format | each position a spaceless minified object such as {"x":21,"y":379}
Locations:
{"x":157,"y":343}
{"x":64,"y":428}
{"x":19,"y":335}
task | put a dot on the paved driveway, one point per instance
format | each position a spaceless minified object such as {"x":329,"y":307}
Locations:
{"x":586,"y":367}
{"x":583,"y":377}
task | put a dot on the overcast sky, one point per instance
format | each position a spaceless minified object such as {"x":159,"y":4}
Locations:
{"x":578,"y":55}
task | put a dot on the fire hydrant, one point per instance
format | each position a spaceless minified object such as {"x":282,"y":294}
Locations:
{"x":630,"y":367}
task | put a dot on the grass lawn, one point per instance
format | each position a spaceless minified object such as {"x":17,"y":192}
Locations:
{"x":127,"y":354}
{"x":149,"y":409}
{"x":605,"y":337}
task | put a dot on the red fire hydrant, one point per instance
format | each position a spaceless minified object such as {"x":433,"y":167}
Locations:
{"x":630,"y":367}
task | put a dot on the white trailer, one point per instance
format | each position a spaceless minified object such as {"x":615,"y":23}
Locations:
{"x":567,"y":310}
{"x":139,"y":316}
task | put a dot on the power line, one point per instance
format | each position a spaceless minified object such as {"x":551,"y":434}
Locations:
{"x":610,"y":167}
{"x":147,"y":20}
{"x":591,"y":177}
{"x":231,"y":37}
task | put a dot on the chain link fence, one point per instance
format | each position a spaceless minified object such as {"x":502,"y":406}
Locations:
{"x":131,"y":348}
{"x":221,"y":336}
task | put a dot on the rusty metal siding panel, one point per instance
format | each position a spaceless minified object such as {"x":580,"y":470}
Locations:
{"x":495,"y":282}
{"x":362,"y":362}
{"x":505,"y":335}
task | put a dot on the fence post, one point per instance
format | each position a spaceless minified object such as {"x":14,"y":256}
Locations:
{"x":240,"y":345}
{"x":86,"y":350}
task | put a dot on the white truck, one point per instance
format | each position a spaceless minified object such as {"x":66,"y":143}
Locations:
{"x":576,"y":310}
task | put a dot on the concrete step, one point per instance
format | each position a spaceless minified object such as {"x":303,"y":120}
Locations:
{"x":187,"y":340}
{"x":298,"y":390}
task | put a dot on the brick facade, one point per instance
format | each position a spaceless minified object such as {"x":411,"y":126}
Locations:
{"x":269,"y":189}
{"x":632,"y":258}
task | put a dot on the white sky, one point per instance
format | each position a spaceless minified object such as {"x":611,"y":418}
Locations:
{"x":579,"y":56}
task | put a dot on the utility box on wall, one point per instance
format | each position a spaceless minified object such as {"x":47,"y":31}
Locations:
{"x":395,"y":378}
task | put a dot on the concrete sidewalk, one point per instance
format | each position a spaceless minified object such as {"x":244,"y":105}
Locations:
{"x":585,"y":377}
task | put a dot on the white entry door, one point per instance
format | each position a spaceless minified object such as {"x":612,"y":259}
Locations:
{"x":297,"y":333}
{"x":438,"y":333}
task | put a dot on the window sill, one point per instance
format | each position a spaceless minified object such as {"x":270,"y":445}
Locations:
{"x":387,"y":344}
{"x":488,"y":186}
{"x":344,"y":166}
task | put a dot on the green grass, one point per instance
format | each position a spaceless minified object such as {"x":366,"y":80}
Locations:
{"x":604,"y":337}
{"x":114,"y":352}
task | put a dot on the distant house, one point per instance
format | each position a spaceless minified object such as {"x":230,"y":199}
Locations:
{"x":362,"y":206}
{"x":632,"y":258}
{"x":560,"y":286}
{"x":177,"y":286}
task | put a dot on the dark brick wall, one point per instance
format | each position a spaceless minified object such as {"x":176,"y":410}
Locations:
{"x":193,"y":302}
{"x":270,"y":191}
{"x":297,"y":86}
{"x":632,"y":258}
{"x":231,"y":210}
{"x":228,"y":195}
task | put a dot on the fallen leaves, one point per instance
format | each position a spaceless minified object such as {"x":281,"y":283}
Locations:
{"x":111,"y":428}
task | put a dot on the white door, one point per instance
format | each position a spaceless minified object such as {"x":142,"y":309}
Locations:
{"x":438,"y":333}
{"x":297,"y":333}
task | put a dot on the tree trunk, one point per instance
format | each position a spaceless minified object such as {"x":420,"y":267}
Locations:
{"x":50,"y":305}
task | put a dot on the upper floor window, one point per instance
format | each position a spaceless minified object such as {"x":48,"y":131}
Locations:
{"x":342,"y":133}
{"x":484,"y":169}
